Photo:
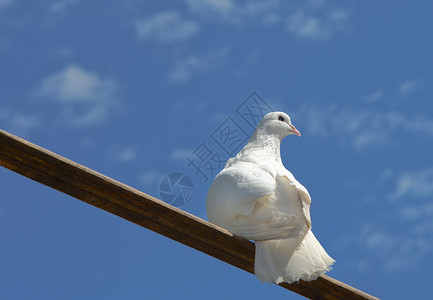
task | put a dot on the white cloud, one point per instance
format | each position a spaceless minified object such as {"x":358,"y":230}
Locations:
{"x":394,"y":250}
{"x":186,"y":68}
{"x":61,"y":6}
{"x":399,"y":234}
{"x":125,"y":154}
{"x":74,"y":84}
{"x":86,"y":97}
{"x":317,"y":26}
{"x":362,"y":128}
{"x":376,"y":238}
{"x":311,"y":19}
{"x":374,"y":97}
{"x":222,"y":7}
{"x":6,"y":3}
{"x":19,"y":123}
{"x":228,"y":11}
{"x":166,"y":27}
{"x":417,"y":211}
{"x":414,"y":184}
{"x":388,"y":249}
{"x":151,"y":178}
{"x":408,"y":86}
{"x":307,"y":26}
{"x":180,"y":154}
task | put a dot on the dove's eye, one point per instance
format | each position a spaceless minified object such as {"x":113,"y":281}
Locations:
{"x":281,"y":118}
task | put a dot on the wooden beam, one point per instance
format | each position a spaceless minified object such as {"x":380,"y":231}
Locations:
{"x":119,"y":199}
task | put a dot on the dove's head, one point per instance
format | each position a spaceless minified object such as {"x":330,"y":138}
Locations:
{"x":277,"y":123}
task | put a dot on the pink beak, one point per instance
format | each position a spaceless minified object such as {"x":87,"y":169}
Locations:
{"x":295,"y":131}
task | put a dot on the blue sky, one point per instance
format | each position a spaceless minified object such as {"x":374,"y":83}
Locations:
{"x":132,"y":88}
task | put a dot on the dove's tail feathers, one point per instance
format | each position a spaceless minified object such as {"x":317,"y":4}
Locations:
{"x":284,"y":260}
{"x":272,"y":258}
{"x":265,"y":267}
{"x":309,"y":261}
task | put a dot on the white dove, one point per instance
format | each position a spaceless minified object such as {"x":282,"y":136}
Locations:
{"x":257,"y":198}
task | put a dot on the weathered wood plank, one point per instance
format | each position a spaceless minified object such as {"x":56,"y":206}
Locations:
{"x":119,"y":199}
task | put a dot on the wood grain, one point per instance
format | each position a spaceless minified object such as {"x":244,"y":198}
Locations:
{"x":119,"y":199}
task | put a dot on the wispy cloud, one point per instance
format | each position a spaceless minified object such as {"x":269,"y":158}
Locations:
{"x":409,"y":86}
{"x":362,"y":128}
{"x":311,"y":19}
{"x":414,"y":184}
{"x":124,"y":154}
{"x":61,"y":6}
{"x":166,"y":27}
{"x":417,"y":212}
{"x":397,"y":234}
{"x":394,"y":251}
{"x":6,"y":3}
{"x":86,"y":97}
{"x":317,"y":26}
{"x":180,"y":154}
{"x":186,"y":68}
{"x":374,"y":97}
{"x":221,"y":7}
{"x":19,"y":122}
{"x":74,"y":84}
{"x":231,"y":12}
{"x":151,"y":178}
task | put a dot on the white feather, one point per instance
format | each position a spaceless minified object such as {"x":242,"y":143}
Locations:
{"x":257,"y":198}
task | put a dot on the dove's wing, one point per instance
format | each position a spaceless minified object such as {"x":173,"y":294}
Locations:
{"x":243,"y":199}
{"x":302,"y":192}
